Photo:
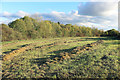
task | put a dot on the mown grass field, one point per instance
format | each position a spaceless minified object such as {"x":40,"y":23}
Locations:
{"x":62,"y":58}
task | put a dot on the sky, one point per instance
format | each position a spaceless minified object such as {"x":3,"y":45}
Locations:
{"x":90,"y":13}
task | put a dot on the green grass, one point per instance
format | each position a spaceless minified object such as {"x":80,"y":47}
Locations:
{"x":88,"y":64}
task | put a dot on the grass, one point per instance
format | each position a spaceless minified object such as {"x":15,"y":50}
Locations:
{"x":101,"y":61}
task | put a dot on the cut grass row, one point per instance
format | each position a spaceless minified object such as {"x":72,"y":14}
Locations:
{"x":87,"y":64}
{"x":67,"y":55}
{"x":30,"y":46}
{"x":7,"y":47}
{"x":23,"y":59}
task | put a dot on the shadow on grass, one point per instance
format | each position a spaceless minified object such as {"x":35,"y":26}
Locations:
{"x":0,"y":57}
{"x":7,"y":52}
{"x":63,"y":50}
{"x":41,"y":61}
{"x":22,"y":45}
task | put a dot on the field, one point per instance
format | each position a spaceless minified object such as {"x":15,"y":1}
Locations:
{"x":71,"y":57}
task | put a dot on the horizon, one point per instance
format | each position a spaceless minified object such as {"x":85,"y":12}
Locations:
{"x":80,"y":13}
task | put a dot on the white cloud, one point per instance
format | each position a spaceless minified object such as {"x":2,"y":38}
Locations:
{"x":6,"y":14}
{"x":97,"y":8}
{"x":102,"y":17}
{"x":74,"y":18}
{"x":103,"y":13}
{"x":21,"y":14}
{"x":74,"y":12}
{"x":18,"y":14}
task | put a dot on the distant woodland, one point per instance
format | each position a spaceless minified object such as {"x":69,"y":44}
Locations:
{"x":29,"y":28}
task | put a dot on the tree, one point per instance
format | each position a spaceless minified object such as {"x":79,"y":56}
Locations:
{"x":29,"y":28}
{"x":18,"y":25}
{"x":9,"y":34}
{"x":113,"y":32}
{"x":28,"y":23}
{"x":72,"y":32}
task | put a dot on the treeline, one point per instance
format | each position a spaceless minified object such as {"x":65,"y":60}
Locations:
{"x":111,"y":33}
{"x":29,"y":28}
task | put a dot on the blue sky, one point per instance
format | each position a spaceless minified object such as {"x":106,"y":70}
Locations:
{"x":80,"y":13}
{"x":42,"y":7}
